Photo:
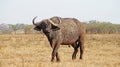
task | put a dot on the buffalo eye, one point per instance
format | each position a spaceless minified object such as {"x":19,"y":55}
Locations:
{"x":38,"y":27}
{"x":44,"y":26}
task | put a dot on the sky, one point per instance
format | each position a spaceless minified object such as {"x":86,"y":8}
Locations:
{"x":23,"y":11}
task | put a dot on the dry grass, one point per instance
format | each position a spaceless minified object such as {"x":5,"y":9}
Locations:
{"x":35,"y":51}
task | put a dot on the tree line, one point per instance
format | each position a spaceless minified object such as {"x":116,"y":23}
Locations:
{"x":16,"y":29}
{"x":102,"y":27}
{"x":92,"y":27}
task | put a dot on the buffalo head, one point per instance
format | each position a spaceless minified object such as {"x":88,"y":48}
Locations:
{"x":47,"y":25}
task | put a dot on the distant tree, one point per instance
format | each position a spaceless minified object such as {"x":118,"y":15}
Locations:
{"x":17,"y":27}
{"x":20,"y":26}
{"x":13,"y":28}
{"x":5,"y":29}
{"x":28,"y":29}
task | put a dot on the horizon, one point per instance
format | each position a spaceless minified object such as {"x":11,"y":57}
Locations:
{"x":23,"y":11}
{"x":86,"y":22}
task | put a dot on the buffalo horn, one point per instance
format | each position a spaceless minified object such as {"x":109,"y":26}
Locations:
{"x":59,"y":20}
{"x":53,"y":22}
{"x":34,"y":20}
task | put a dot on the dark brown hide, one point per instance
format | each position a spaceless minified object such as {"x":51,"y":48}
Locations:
{"x":65,"y":31}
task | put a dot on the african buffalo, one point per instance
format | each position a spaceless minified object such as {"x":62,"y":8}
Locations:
{"x":62,"y":31}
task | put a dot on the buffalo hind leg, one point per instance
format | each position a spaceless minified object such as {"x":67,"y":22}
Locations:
{"x":75,"y":46}
{"x":81,"y":48}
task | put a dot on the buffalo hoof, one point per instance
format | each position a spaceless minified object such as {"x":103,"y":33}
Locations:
{"x":81,"y":58}
{"x":52,"y":60}
{"x":58,"y":61}
{"x":73,"y":58}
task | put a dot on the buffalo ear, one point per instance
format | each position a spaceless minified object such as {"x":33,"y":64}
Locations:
{"x":55,"y":28}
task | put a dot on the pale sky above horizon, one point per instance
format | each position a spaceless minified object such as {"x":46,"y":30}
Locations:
{"x":23,"y":11}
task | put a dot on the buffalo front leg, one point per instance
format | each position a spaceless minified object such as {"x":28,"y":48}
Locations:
{"x":55,"y":53}
{"x":55,"y":47}
{"x":57,"y":57}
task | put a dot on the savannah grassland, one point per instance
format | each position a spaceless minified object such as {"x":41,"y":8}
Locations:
{"x":33,"y":50}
